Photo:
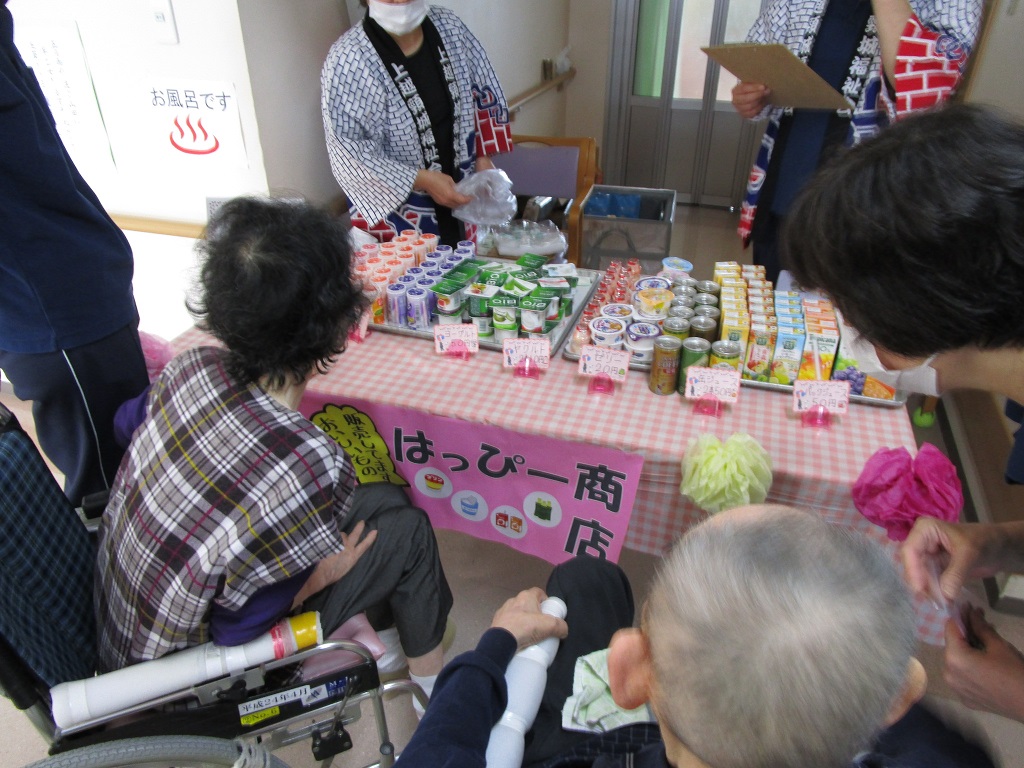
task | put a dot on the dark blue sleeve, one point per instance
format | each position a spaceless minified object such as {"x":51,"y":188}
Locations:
{"x":469,"y":698}
{"x":264,"y":609}
{"x":1015,"y":463}
{"x":920,"y":739}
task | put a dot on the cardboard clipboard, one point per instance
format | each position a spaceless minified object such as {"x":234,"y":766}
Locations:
{"x":793,"y":83}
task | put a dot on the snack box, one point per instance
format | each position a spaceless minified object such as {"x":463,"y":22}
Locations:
{"x":789,"y":348}
{"x":819,"y":353}
{"x":760,"y":349}
{"x":532,"y":261}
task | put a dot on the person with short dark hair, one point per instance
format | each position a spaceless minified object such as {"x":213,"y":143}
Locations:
{"x":918,"y":238}
{"x":232,"y":509}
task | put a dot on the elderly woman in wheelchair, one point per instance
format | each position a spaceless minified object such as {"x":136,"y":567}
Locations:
{"x":231,"y":511}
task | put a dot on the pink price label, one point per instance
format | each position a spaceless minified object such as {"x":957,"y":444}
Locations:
{"x":446,"y":335}
{"x":595,"y":360}
{"x":833,"y":396}
{"x":720,"y":383}
{"x":514,"y":351}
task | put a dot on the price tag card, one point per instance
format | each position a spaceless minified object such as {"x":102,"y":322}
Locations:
{"x":595,"y":360}
{"x":721,"y":383}
{"x":831,"y":395}
{"x":445,"y":335}
{"x":514,"y":351}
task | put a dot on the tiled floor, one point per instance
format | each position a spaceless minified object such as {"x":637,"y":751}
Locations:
{"x":482,"y":574}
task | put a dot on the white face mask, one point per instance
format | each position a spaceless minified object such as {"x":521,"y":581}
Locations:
{"x":921,"y":378}
{"x":398,"y":19}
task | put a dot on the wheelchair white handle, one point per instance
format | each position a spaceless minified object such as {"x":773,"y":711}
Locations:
{"x":79,"y":701}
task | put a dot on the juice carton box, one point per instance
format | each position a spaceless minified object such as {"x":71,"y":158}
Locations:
{"x":789,"y":348}
{"x":758,"y":305}
{"x":766,"y":284}
{"x":732,"y":305}
{"x":819,"y":352}
{"x":846,"y":368}
{"x":734,"y":282}
{"x":760,"y":349}
{"x":821,"y":313}
{"x":763,"y":318}
{"x":787,"y":295}
{"x":789,"y":314}
{"x":728,"y":265}
{"x":736,"y":327}
{"x":809,"y":300}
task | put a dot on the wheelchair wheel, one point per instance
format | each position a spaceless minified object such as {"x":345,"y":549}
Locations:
{"x":160,"y":751}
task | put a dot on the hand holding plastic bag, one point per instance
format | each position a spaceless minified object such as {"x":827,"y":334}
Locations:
{"x":493,"y":202}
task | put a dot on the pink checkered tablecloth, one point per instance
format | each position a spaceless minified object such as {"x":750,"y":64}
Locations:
{"x":812,"y":468}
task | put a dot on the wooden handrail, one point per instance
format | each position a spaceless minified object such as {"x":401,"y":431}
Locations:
{"x":516,"y":102}
{"x":159,"y":226}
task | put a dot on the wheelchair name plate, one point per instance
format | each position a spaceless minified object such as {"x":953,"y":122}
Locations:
{"x":260,"y":711}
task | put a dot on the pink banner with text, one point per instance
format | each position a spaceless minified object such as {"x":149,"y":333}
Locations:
{"x":545,"y":497}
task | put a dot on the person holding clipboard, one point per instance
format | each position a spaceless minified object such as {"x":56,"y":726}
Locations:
{"x":886,"y":57}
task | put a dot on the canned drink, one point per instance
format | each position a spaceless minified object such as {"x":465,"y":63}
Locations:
{"x":708,"y":286}
{"x":706,"y":310}
{"x":696,"y":352}
{"x":686,"y":302}
{"x":725,"y":354}
{"x":684,"y":312}
{"x":677,"y":326}
{"x":665,"y":366}
{"x":704,"y":327}
{"x":707,"y":299}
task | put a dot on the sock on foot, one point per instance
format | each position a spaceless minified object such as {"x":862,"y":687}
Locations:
{"x":393,"y":659}
{"x":427,"y":684}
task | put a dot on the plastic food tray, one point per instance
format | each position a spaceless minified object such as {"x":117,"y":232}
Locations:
{"x":588,"y":281}
{"x":899,"y":400}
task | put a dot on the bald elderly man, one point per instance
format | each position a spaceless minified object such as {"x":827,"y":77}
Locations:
{"x":769,"y":638}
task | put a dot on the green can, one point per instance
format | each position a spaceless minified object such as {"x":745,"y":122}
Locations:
{"x":725,"y":354}
{"x":696,"y":351}
{"x":676,"y":326}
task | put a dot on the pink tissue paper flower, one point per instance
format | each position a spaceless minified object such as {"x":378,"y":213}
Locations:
{"x":893,"y":489}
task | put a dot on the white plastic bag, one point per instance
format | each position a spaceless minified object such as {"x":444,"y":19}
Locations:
{"x":493,"y":202}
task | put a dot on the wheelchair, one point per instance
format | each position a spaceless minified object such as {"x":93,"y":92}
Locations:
{"x":48,"y":637}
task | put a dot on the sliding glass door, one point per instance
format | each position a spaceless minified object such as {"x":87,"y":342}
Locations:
{"x":670,"y":120}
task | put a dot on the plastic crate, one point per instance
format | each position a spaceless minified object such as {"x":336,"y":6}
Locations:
{"x":626,"y":222}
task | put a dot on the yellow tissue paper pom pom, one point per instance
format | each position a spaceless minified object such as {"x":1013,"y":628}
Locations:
{"x":719,"y":476}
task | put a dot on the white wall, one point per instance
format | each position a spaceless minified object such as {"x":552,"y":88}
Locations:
{"x":518,"y":35}
{"x":590,"y":41}
{"x":125,"y":61}
{"x":286,"y":43}
{"x":270,"y":55}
